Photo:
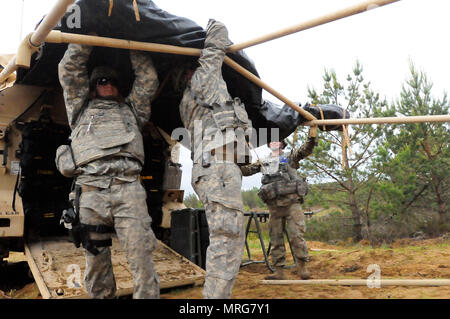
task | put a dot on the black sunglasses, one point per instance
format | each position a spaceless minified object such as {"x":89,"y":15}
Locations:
{"x":105,"y":81}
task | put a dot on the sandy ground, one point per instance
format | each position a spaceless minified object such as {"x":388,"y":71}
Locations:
{"x":404,"y":259}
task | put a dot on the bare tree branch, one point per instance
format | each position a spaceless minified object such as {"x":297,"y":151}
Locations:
{"x":331,"y":175}
{"x":415,"y":197}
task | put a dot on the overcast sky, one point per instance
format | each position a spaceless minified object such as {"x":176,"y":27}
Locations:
{"x":384,"y":40}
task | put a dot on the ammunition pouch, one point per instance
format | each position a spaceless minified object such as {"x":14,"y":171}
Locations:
{"x":271,"y":178}
{"x":277,"y":189}
{"x":65,"y":161}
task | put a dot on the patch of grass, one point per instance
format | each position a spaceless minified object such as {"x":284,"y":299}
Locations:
{"x":438,"y":246}
{"x":409,"y":249}
{"x":253,"y":238}
{"x":320,"y":252}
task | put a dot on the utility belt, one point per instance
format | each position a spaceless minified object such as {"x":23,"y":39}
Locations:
{"x":88,"y":188}
{"x":277,"y":189}
{"x":80,"y":232}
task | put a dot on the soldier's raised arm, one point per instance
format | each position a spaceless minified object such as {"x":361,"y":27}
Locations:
{"x":305,"y":150}
{"x":74,"y":79}
{"x":207,"y":82}
{"x":145,"y":84}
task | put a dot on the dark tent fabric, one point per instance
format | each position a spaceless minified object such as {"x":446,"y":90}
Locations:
{"x":158,"y":26}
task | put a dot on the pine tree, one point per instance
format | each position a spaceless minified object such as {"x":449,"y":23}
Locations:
{"x":416,"y":157}
{"x":350,"y":169}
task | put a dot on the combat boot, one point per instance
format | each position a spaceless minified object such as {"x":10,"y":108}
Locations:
{"x":302,"y":270}
{"x":277,"y":275}
{"x":217,"y":35}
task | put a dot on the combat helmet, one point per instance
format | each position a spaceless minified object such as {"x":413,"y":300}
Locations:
{"x":104,"y":71}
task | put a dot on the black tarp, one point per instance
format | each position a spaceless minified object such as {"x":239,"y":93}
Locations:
{"x":159,"y":26}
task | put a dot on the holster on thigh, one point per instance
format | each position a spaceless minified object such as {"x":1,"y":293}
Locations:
{"x":90,"y":244}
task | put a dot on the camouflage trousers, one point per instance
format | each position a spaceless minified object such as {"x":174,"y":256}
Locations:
{"x":219,"y":189}
{"x":292,"y":217}
{"x":124,"y":207}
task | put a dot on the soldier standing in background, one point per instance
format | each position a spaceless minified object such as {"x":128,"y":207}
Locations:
{"x":107,"y":156}
{"x":283,"y":191}
{"x":208,"y":111}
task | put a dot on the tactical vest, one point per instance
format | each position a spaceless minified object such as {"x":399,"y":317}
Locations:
{"x":106,"y":128}
{"x":231,"y":114}
{"x":282,"y":182}
{"x":229,"y":125}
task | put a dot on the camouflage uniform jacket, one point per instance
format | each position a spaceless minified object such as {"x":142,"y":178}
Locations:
{"x":106,"y":135}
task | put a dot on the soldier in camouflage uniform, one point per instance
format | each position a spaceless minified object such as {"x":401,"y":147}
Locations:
{"x":283,"y":192}
{"x":207,"y":108}
{"x":108,"y":155}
